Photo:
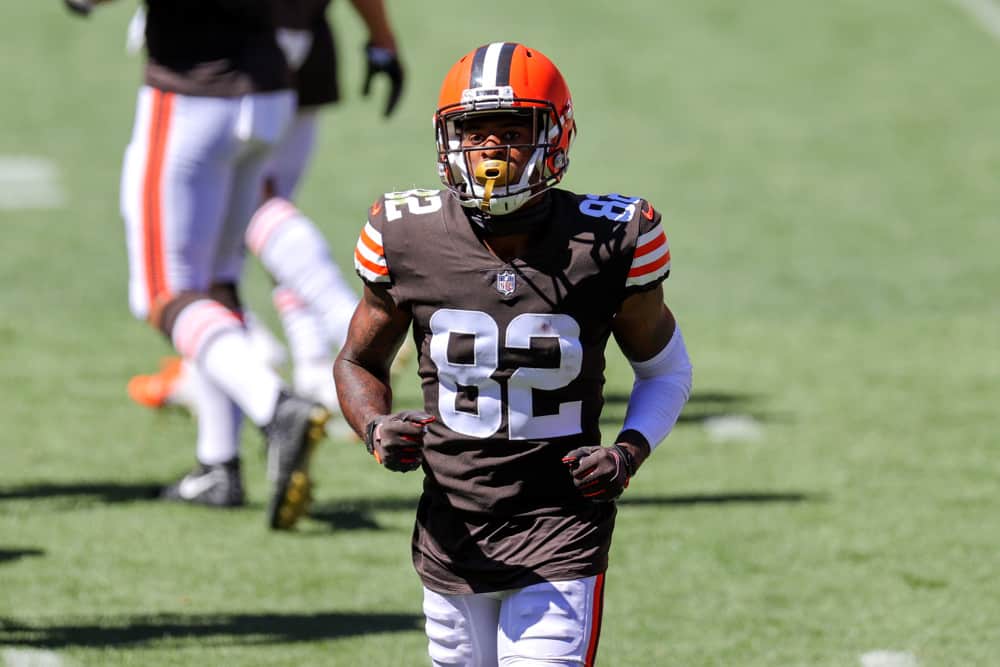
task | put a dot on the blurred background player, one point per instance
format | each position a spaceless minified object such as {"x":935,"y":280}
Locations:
{"x":314,"y":306}
{"x":512,"y":288}
{"x":216,"y":100}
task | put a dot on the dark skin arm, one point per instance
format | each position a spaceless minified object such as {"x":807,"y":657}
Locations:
{"x":361,"y":370}
{"x":373,"y":13}
{"x":642,"y":327}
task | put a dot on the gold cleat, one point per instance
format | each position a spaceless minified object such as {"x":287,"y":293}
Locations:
{"x":292,"y":438}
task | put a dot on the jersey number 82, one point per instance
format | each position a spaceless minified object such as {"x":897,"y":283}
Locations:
{"x":486,"y":420}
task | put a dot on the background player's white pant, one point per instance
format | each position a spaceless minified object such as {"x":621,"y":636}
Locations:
{"x":551,"y":623}
{"x":191,"y":180}
{"x":190,"y":183}
{"x":312,"y":345}
{"x":288,"y":161}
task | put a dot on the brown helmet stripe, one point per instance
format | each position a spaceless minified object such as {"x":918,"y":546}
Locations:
{"x":476,"y":79}
{"x":503,"y":63}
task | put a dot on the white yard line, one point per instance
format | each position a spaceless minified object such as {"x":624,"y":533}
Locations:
{"x":28,"y":182}
{"x":888,"y":659}
{"x":986,"y":13}
{"x":733,"y":428}
{"x":16,"y":657}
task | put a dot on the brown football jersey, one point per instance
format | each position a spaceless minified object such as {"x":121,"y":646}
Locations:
{"x":511,"y":362}
{"x":216,"y":48}
{"x":303,"y":23}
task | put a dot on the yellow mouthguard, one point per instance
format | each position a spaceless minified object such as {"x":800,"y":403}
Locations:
{"x":488,"y":174}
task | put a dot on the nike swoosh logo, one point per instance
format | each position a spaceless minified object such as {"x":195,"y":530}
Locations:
{"x":376,"y":208}
{"x":647,"y":211}
{"x":192,"y":487}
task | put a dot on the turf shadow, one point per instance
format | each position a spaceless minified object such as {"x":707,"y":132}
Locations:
{"x":732,"y":498}
{"x":356,"y":514}
{"x":212,"y":629}
{"x":8,"y":555}
{"x":106,"y":492}
{"x":724,"y":397}
{"x":701,"y":407}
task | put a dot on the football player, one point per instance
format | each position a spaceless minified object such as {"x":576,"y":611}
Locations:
{"x":315,"y":304}
{"x":217,"y":98}
{"x":511,"y":288}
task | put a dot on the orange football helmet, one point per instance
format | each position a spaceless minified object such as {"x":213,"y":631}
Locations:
{"x":504,"y":77}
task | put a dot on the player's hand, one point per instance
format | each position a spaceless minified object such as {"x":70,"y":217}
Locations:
{"x":600,"y":473}
{"x":396,"y":440}
{"x":384,"y":61}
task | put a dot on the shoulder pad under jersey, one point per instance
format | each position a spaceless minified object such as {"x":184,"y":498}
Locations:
{"x":391,"y":208}
{"x":650,"y":252}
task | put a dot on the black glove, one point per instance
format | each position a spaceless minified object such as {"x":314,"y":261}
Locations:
{"x":600,"y":473}
{"x":384,"y":61}
{"x":395,"y":440}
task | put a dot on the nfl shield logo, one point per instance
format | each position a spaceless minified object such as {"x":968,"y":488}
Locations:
{"x":506,"y":282}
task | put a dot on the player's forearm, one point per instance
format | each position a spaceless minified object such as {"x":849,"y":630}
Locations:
{"x":373,"y":13}
{"x":363,"y":395}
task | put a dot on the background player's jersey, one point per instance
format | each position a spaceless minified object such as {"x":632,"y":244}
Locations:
{"x":214,"y":48}
{"x":511,"y":361}
{"x":308,"y":41}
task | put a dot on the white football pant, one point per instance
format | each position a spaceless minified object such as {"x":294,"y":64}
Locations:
{"x":191,"y":180}
{"x":551,"y":623}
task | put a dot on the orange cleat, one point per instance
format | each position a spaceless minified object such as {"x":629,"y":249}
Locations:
{"x":159,"y":389}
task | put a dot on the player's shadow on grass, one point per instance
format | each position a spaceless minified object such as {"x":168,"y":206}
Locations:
{"x":104,"y":492}
{"x":8,"y":555}
{"x":729,"y":498}
{"x":356,"y":514}
{"x":214,"y":629}
{"x":699,"y":408}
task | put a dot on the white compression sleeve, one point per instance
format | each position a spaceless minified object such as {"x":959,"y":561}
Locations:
{"x":662,"y":386}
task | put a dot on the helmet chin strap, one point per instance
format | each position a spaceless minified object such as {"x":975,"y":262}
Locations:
{"x":488,"y":174}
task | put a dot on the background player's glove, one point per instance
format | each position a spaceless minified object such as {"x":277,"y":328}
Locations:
{"x":600,"y":473}
{"x":384,"y":61}
{"x":396,"y":440}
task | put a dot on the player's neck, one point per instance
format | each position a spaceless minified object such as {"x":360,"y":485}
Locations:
{"x":513,"y":235}
{"x":509,"y":246}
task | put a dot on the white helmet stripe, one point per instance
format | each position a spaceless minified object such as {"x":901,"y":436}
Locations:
{"x":490,"y":65}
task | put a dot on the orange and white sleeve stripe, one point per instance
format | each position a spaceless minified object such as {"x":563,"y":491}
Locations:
{"x":369,"y":256}
{"x":651,"y":259}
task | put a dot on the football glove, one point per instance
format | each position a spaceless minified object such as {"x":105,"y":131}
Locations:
{"x":384,"y":61}
{"x":600,"y":473}
{"x":395,"y":440}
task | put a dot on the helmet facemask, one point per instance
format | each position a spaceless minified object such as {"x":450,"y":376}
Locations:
{"x":488,"y":187}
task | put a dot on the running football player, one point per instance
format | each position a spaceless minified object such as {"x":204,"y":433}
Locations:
{"x":315,"y":303}
{"x":511,"y":288}
{"x":216,"y":99}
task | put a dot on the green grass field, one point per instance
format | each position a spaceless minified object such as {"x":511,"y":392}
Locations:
{"x":828,"y":177}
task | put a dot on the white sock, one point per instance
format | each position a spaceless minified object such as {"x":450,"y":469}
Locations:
{"x":303,"y":329}
{"x":213,"y":336}
{"x":265,"y":344}
{"x":295,"y":253}
{"x":220,"y":421}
